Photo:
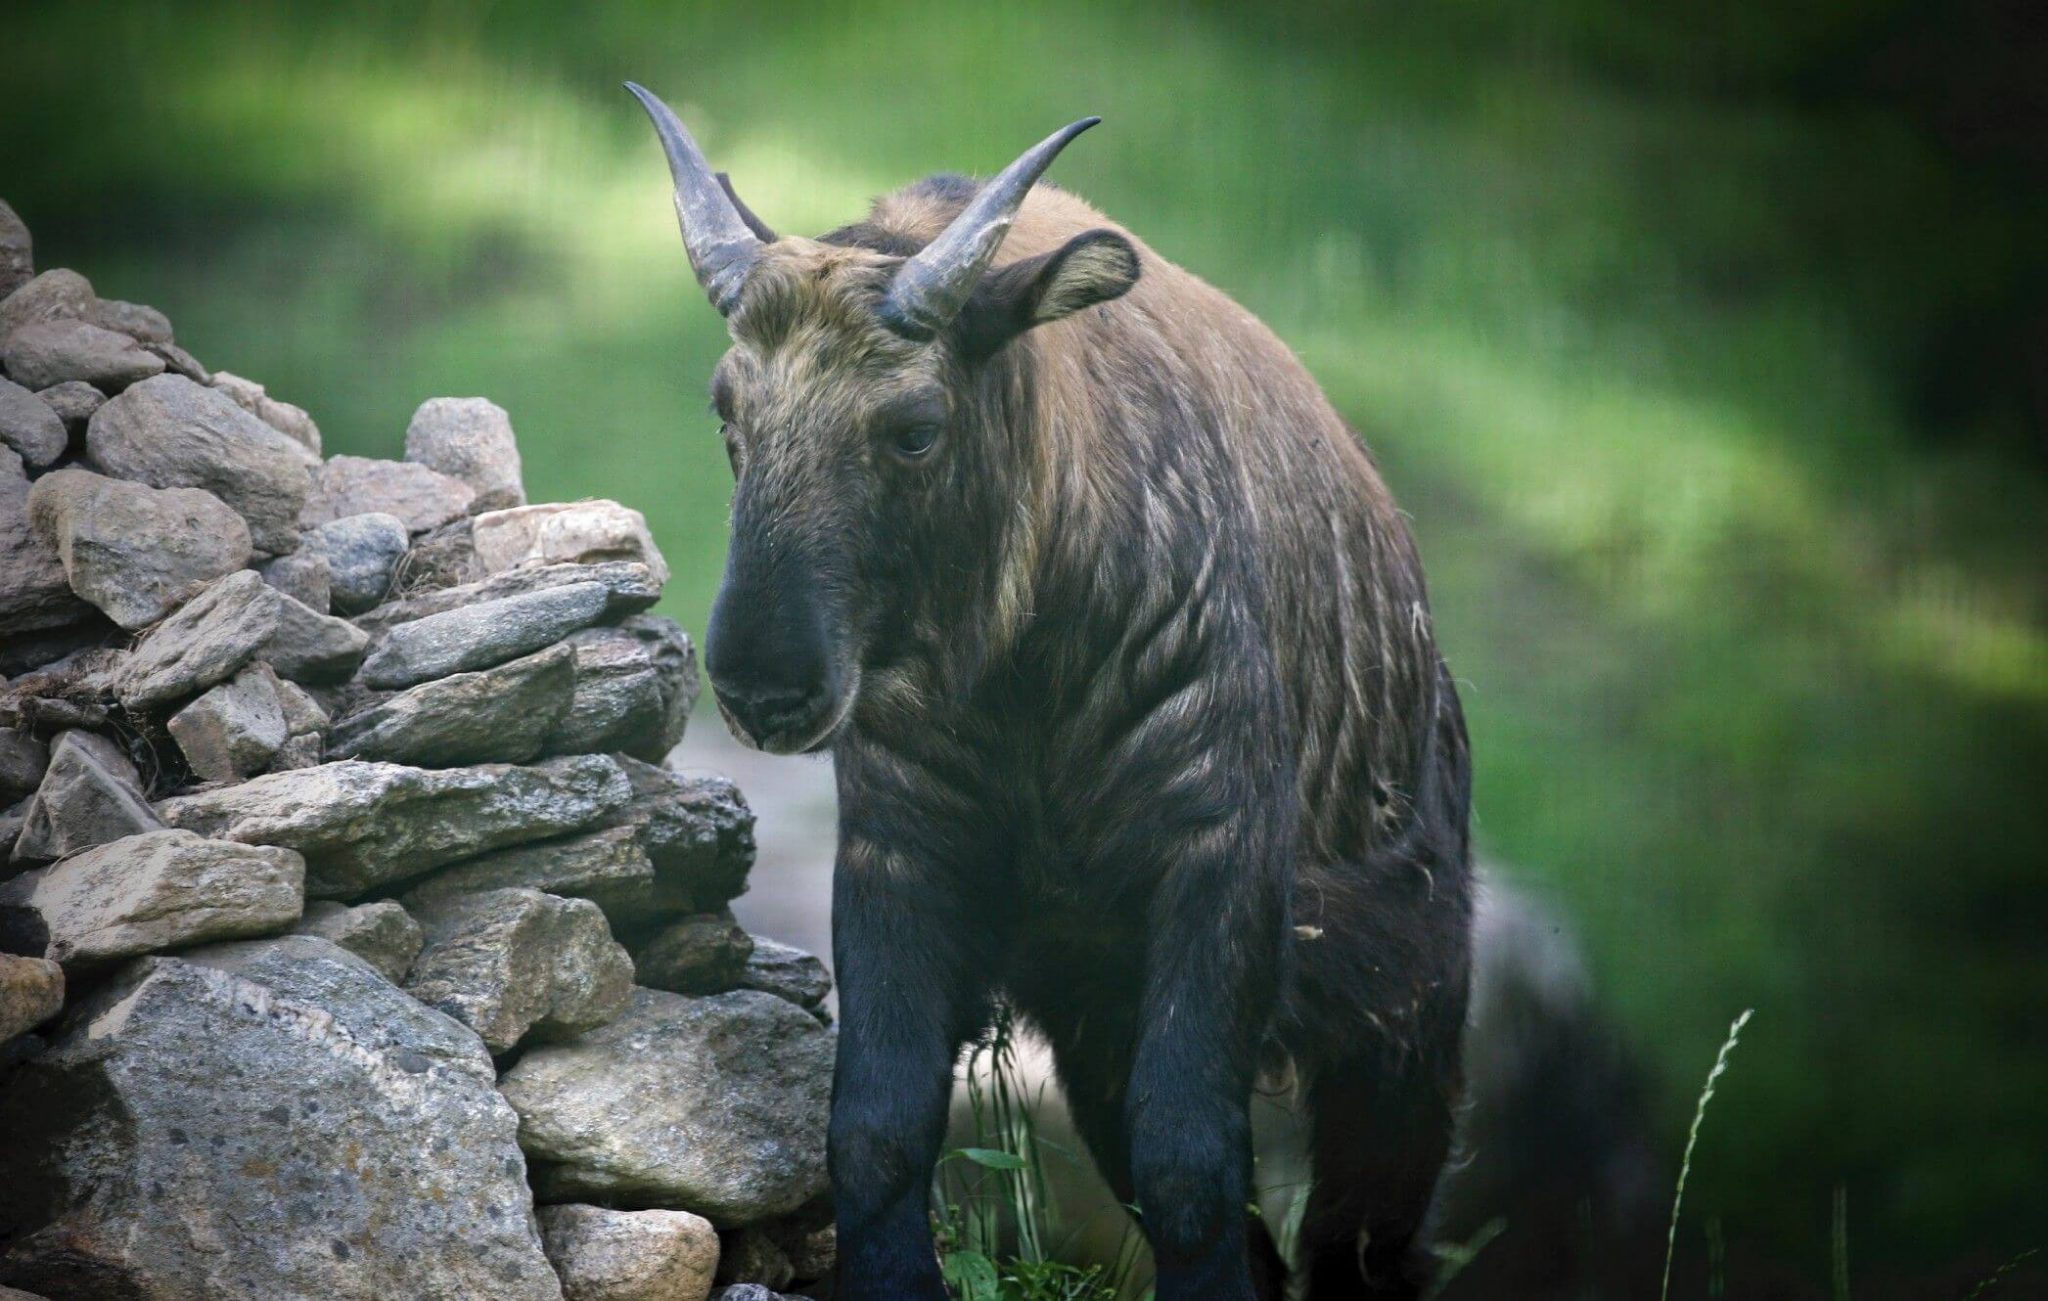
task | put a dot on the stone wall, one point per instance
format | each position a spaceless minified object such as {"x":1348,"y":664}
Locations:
{"x":355,"y":940}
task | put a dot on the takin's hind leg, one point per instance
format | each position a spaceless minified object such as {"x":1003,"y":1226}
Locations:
{"x":1378,"y":1142}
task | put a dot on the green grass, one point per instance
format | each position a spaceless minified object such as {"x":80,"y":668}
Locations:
{"x":1755,"y":651}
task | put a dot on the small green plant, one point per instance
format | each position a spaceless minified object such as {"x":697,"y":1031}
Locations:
{"x":1692,"y":1140}
{"x":993,"y":1213}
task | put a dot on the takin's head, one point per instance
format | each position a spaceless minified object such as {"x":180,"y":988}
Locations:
{"x":868,"y":447}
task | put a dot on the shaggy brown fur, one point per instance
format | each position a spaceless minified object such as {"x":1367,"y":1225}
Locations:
{"x":1139,"y":723}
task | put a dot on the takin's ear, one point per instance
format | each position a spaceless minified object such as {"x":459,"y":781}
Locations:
{"x":1092,"y":267}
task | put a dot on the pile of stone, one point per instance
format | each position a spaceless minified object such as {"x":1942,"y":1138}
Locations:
{"x":357,"y":938}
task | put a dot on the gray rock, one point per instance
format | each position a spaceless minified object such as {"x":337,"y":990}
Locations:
{"x":702,"y":954}
{"x":285,"y":418}
{"x":309,"y":646}
{"x":754,"y":1256}
{"x":362,"y":553}
{"x":302,"y":713}
{"x":361,"y":825}
{"x":51,"y":352}
{"x":207,"y":641}
{"x":31,"y":992}
{"x":697,"y":831}
{"x":502,"y":714}
{"x":23,"y":761}
{"x":17,"y":253}
{"x":713,"y":1105}
{"x":635,"y":686}
{"x":134,"y":551}
{"x":582,"y":532}
{"x":607,"y":1255}
{"x":305,"y":750}
{"x":140,"y":323}
{"x":170,"y":432}
{"x":74,"y":401}
{"x":381,"y":933}
{"x":30,"y":426}
{"x":35,"y":596}
{"x":11,"y":821}
{"x":479,"y":636}
{"x":179,"y":362}
{"x":469,"y":439}
{"x":786,"y":972}
{"x":155,"y":891}
{"x":262,"y":1120}
{"x":90,"y":795}
{"x":607,"y":867}
{"x":352,"y":485}
{"x":629,"y":587}
{"x":55,"y":295}
{"x":234,"y":730}
{"x":509,"y":963}
{"x":303,"y":576}
{"x":748,"y":1292}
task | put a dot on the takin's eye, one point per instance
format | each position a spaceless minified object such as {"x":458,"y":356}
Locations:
{"x":913,"y":442}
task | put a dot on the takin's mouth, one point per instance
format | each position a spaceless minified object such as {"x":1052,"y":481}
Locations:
{"x":806,"y":729}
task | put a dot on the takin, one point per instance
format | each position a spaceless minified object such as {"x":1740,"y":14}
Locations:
{"x":1121,"y":651}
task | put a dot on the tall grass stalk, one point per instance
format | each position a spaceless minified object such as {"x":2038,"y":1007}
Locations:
{"x":1838,"y":1244}
{"x":1997,"y":1276}
{"x":1692,"y":1140}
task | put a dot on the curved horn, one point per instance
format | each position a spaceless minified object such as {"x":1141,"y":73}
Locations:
{"x":932,"y":287}
{"x":721,"y":245}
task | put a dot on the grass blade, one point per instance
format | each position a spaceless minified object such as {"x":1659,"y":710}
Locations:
{"x":1692,"y":1140}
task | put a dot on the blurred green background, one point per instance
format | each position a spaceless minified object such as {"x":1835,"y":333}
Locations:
{"x":1708,"y":348}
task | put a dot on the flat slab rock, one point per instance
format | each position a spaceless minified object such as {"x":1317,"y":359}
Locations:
{"x":362,"y":825}
{"x":607,"y":867}
{"x":134,"y":551}
{"x":170,"y":432}
{"x":52,"y":352}
{"x":504,"y":714}
{"x":156,"y":891}
{"x":712,"y":1105}
{"x":230,"y":622}
{"x":607,"y":1255}
{"x":262,"y":1120}
{"x":509,"y":963}
{"x":479,"y":636}
{"x":629,"y":588}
